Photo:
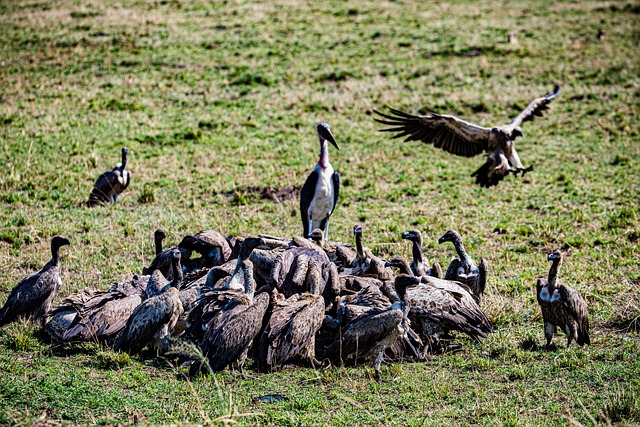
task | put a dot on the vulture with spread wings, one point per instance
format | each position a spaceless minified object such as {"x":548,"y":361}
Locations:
{"x":462,"y":138}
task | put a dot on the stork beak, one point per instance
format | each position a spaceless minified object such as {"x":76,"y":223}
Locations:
{"x":325,"y":134}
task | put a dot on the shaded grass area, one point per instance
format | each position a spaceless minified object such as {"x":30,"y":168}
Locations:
{"x":216,"y":99}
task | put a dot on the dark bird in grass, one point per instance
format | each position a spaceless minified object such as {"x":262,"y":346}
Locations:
{"x":293,"y":325}
{"x":465,"y":139}
{"x":562,"y":306}
{"x":464,"y":269}
{"x":230,"y":333}
{"x":319,"y":195}
{"x":31,"y":298}
{"x":418,"y":265}
{"x":60,"y":318}
{"x":110,"y":184}
{"x":153,"y":321}
{"x":104,"y":314}
{"x":370,"y":334}
{"x":213,"y":247}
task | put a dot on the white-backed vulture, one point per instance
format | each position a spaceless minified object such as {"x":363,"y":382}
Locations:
{"x":110,"y":184}
{"x":465,"y":139}
{"x":418,"y":265}
{"x":562,"y":306}
{"x":31,"y":298}
{"x":464,"y":268}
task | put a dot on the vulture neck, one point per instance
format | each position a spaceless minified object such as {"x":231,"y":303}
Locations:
{"x":462,"y":252}
{"x":401,"y":291}
{"x":416,"y":250}
{"x":249,"y":283}
{"x":55,"y":254}
{"x":158,"y":245}
{"x":553,"y":274}
{"x":359,"y":248}
{"x":124,"y":161}
{"x":177,"y":274}
{"x":404,"y":268}
{"x":323,"y":162}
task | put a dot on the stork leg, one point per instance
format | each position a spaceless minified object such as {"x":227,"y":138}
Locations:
{"x":326,"y":230}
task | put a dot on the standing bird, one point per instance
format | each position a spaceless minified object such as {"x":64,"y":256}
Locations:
{"x":153,"y":321}
{"x":465,"y":139}
{"x":562,"y":306}
{"x":417,"y":266}
{"x":158,"y":236}
{"x":371,"y":333}
{"x":464,"y":269}
{"x":110,"y":184}
{"x":319,"y":194}
{"x":31,"y":298}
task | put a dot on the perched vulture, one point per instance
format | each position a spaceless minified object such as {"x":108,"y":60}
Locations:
{"x":562,"y":306}
{"x":31,"y":298}
{"x":110,"y":184}
{"x":465,"y":139}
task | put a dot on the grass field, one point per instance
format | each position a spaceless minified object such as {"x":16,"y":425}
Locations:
{"x":216,"y":98}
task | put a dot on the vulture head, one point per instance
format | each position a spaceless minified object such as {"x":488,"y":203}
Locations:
{"x":248,"y":245}
{"x":317,"y":236}
{"x":58,"y":241}
{"x":357,"y":230}
{"x":397,"y":262}
{"x":413,"y":236}
{"x":450,"y":236}
{"x":555,"y":255}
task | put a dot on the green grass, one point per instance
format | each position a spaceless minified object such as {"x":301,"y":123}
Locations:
{"x":212,"y":98}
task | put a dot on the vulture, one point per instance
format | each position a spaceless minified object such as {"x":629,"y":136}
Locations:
{"x":31,"y":298}
{"x":372,"y":332}
{"x":153,"y":321}
{"x":60,"y":318}
{"x":465,"y":139}
{"x":319,"y":194}
{"x":213,"y":247}
{"x":562,"y":306}
{"x":463,"y":269}
{"x":110,"y":184}
{"x":102,"y":316}
{"x":293,"y":325}
{"x":230,"y":333}
{"x":417,"y":266}
{"x":163,"y":258}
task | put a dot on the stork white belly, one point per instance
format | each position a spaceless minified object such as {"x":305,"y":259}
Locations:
{"x":323,"y":198}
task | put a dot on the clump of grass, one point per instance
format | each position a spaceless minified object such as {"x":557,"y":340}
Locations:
{"x":146,"y":196}
{"x":622,"y":218}
{"x":108,"y":359}
{"x":623,"y":406}
{"x":21,"y":336}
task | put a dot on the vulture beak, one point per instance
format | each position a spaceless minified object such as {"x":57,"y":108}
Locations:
{"x":388,"y":264}
{"x":516,"y":133}
{"x":442,"y":240}
{"x":405,"y":235}
{"x":325,"y":134}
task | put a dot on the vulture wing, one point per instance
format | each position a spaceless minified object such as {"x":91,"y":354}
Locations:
{"x":536,"y":107}
{"x":446,"y":132}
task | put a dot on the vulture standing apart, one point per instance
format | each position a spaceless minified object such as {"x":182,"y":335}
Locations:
{"x":230,"y":333}
{"x":370,"y":334}
{"x":462,"y":138}
{"x":562,"y":306}
{"x":110,"y":184}
{"x":31,"y":298}
{"x":103,"y":315}
{"x":153,"y":321}
{"x":319,"y":194}
{"x":417,"y":266}
{"x":293,"y":325}
{"x":213,"y":247}
{"x":464,"y":269}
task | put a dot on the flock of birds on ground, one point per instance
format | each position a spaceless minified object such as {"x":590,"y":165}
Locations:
{"x":300,"y":300}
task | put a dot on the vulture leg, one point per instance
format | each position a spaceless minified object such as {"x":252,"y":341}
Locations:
{"x":549,"y":330}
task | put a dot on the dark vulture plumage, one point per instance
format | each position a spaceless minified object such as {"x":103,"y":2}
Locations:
{"x":418,"y":266}
{"x":153,"y":321}
{"x":371,"y":333}
{"x":465,"y":139}
{"x":60,"y":318}
{"x":102,"y":316}
{"x":319,"y":194}
{"x":211,"y":245}
{"x":562,"y":306}
{"x":293,"y":325}
{"x":31,"y":298}
{"x":110,"y":184}
{"x":229,"y":334}
{"x":464,"y":269}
